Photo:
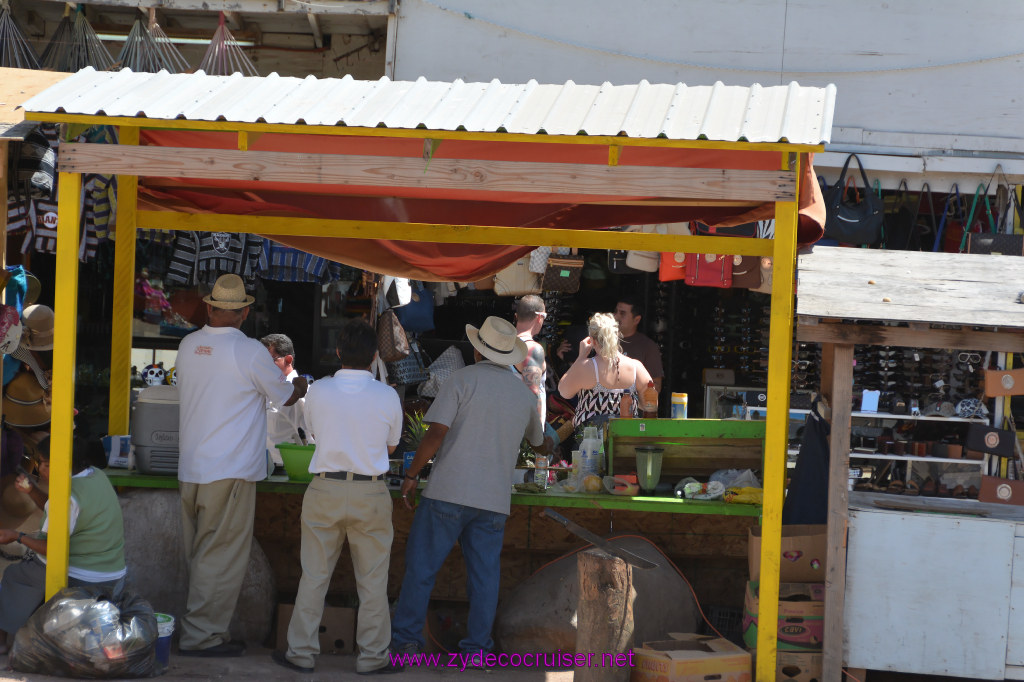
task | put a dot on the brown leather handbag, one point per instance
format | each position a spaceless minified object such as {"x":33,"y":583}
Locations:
{"x":392,"y":341}
{"x":746,"y":272}
{"x":563,"y":274}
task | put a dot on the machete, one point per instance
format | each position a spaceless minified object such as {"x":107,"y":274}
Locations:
{"x":597,"y":541}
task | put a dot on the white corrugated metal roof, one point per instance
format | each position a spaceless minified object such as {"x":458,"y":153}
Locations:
{"x":790,"y":113}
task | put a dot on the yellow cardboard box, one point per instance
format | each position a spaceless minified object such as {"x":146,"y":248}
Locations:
{"x":689,"y":657}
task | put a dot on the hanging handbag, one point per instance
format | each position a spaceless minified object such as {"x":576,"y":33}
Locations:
{"x":672,"y":266}
{"x":517,"y":280}
{"x":563,"y":274}
{"x":392,"y":341}
{"x":985,"y":438}
{"x":1003,"y":382}
{"x":973,"y":225}
{"x":412,"y":369}
{"x":617,"y":257}
{"x":766,"y":276}
{"x":746,"y":272}
{"x":417,"y":315}
{"x":446,"y":364}
{"x":709,"y":270}
{"x":998,"y":243}
{"x":855,"y":222}
{"x":899,"y":225}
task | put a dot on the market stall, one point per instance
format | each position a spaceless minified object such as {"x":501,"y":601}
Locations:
{"x":440,"y":181}
{"x":942,"y":562}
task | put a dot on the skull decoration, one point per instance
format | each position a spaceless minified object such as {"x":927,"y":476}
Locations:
{"x":153,"y":375}
{"x":221,"y":241}
{"x":172,"y":377}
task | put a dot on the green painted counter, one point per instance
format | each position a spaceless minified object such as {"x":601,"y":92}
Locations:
{"x":281,"y":484}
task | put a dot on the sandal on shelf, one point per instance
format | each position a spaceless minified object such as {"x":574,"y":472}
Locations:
{"x":943,"y":490}
{"x":929,"y":487}
{"x":972,"y":492}
{"x":896,"y":488}
{"x":959,"y":493}
{"x":913,"y":489}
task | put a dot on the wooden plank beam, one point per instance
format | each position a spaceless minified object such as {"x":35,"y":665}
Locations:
{"x":451,"y":234}
{"x":234,"y":20}
{"x":314,"y":26}
{"x":1006,"y":341}
{"x":838,"y":513}
{"x":911,"y":286}
{"x":465,"y":174}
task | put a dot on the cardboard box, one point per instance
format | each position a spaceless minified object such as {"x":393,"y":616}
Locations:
{"x":337,"y":629}
{"x":1001,"y":490}
{"x":804,"y":549}
{"x":793,"y":666}
{"x":690,"y":658}
{"x":801,"y":624}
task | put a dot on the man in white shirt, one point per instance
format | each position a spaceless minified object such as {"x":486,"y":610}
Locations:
{"x":284,"y":424}
{"x":224,"y":382}
{"x":357,"y":422}
{"x":530,"y":315}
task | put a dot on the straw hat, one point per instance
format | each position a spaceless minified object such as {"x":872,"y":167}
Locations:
{"x":23,"y":402}
{"x":38,"y":323}
{"x":497,"y":341}
{"x":34,"y":289}
{"x":229,"y":293}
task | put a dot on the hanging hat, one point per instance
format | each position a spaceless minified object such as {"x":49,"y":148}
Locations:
{"x":38,"y":322}
{"x":497,"y":341}
{"x":23,"y":402}
{"x":34,"y":289}
{"x":229,"y":293}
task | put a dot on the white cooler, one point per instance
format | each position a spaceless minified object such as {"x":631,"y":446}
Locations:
{"x":154,"y":429}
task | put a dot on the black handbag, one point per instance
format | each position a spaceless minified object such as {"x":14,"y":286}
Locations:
{"x":857,"y":221}
{"x":985,"y":438}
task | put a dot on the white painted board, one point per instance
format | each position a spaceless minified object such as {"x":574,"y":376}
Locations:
{"x":1015,"y":631}
{"x":928,"y":593}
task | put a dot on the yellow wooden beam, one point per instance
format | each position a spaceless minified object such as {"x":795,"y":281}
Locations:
{"x":780,"y":351}
{"x":419,"y":133}
{"x":124,"y":295}
{"x":452,"y":234}
{"x":65,"y":329}
{"x":442,"y":174}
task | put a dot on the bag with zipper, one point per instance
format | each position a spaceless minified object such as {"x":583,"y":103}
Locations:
{"x":709,"y":270}
{"x":392,"y":341}
{"x":517,"y":279}
{"x":563,"y":274}
{"x":410,"y":370}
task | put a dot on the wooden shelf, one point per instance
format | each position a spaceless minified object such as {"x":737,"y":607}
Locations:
{"x":915,"y":458}
{"x":904,"y":417}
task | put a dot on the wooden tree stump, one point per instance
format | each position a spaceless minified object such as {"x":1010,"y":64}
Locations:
{"x":604,"y":617}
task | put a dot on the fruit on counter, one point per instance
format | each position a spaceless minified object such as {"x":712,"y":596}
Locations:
{"x":592,"y":484}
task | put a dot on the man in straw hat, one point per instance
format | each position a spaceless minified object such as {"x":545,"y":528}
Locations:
{"x":476,"y":424}
{"x":224,"y":381}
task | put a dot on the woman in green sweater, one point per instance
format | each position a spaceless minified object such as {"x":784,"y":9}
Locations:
{"x":96,"y":546}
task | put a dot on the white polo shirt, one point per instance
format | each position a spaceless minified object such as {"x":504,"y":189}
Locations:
{"x":224,"y":381}
{"x":354,"y":419}
{"x":283,"y":423}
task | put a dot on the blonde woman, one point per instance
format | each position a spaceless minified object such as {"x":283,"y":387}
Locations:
{"x":602,"y":380}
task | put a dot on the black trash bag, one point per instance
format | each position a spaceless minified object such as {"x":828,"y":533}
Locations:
{"x":82,"y":632}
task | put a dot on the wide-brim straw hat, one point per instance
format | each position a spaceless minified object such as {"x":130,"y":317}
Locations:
{"x":497,"y":341}
{"x":37,"y":321}
{"x":23,"y":402}
{"x":229,"y":293}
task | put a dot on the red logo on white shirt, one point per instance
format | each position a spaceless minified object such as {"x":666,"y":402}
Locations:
{"x":204,"y":350}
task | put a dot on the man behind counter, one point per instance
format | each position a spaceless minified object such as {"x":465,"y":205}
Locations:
{"x":636,"y":344}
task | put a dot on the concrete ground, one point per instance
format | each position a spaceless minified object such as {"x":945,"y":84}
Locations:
{"x":257,"y":666}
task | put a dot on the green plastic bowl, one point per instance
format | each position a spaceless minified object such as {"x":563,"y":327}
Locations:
{"x":296,"y":461}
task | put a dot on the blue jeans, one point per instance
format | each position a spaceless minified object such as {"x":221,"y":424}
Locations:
{"x":435,"y":528}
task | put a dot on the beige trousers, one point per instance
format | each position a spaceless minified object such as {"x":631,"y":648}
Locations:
{"x":217,"y":520}
{"x":333,"y":510}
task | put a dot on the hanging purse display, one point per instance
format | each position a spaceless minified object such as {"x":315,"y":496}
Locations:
{"x":857,"y":221}
{"x":617,"y":257}
{"x":1004,"y":382}
{"x":392,"y":341}
{"x":1000,"y":242}
{"x":974,"y":224}
{"x":985,"y":438}
{"x":709,"y":270}
{"x":563,"y":274}
{"x":672,"y":267}
{"x":746,"y":272}
{"x":412,"y":369}
{"x":517,"y":280}
{"x":417,"y":315}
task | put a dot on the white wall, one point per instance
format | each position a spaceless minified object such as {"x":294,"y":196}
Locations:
{"x":948,"y":68}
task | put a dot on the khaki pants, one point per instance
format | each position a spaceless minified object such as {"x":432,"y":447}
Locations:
{"x":333,"y":510}
{"x":217,"y":520}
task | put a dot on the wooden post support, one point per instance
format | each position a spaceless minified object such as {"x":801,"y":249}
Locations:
{"x":838,"y":513}
{"x":604,"y":615}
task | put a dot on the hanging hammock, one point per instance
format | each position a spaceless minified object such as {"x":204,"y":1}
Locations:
{"x":225,"y":56}
{"x":15,"y":51}
{"x":143,"y":51}
{"x":75,"y":46}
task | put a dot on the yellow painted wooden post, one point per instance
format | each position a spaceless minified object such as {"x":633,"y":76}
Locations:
{"x":124,"y":295}
{"x":69,"y":209}
{"x":780,"y":351}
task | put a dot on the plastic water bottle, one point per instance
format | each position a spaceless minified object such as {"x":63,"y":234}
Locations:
{"x":590,"y":449}
{"x":540,"y":472}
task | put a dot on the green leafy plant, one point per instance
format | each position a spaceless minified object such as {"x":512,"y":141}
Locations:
{"x":415,"y":429}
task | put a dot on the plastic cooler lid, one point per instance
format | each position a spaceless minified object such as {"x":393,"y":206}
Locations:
{"x":158,"y":394}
